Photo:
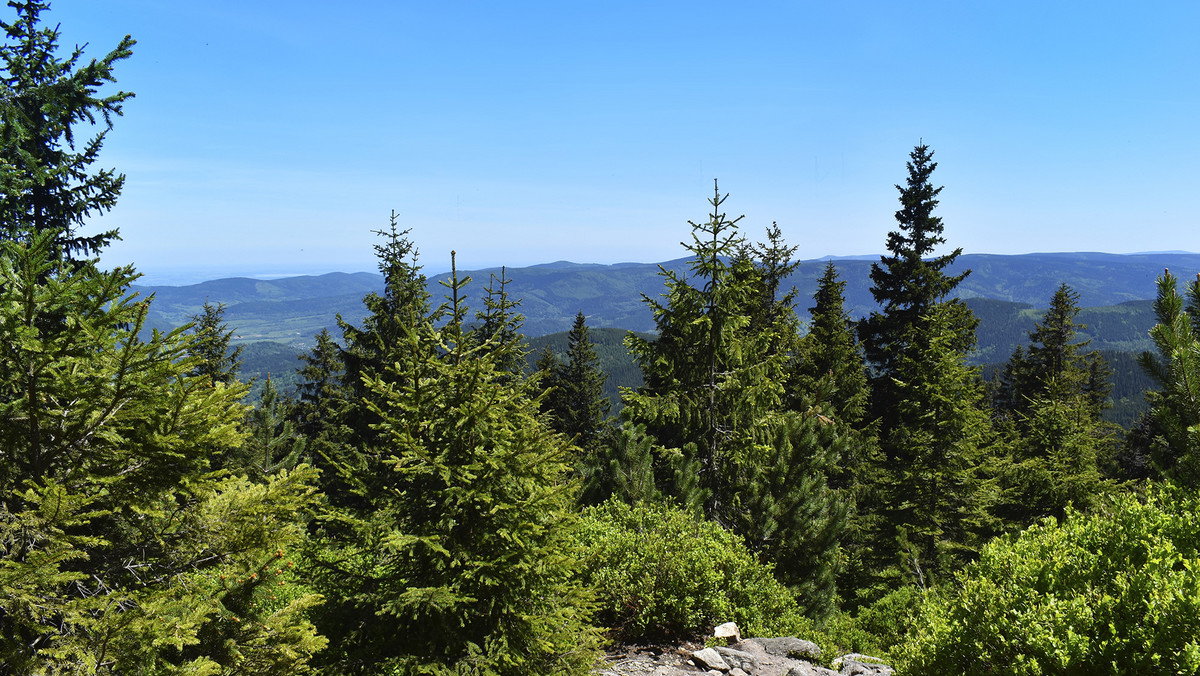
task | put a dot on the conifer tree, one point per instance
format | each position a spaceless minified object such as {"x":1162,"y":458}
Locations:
{"x":932,"y":495}
{"x":215,"y":358}
{"x":500,"y":324}
{"x":273,"y":443}
{"x":909,"y":282}
{"x":47,"y":184}
{"x":1175,"y":406}
{"x":463,"y":561}
{"x":830,"y":351}
{"x":1051,"y":405}
{"x":714,"y":399}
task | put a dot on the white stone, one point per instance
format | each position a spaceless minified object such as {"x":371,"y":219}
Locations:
{"x":728,"y":630}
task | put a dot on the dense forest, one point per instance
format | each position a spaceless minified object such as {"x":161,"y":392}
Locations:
{"x":438,"y":498}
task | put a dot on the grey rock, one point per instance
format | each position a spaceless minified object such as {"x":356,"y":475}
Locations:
{"x":736,"y":671}
{"x":786,"y":646}
{"x":806,"y":669}
{"x":738,"y":659}
{"x":708,"y":658}
{"x":855,"y":664}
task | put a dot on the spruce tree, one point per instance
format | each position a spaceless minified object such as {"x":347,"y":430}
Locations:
{"x":463,"y":560}
{"x":932,"y":497}
{"x":830,"y":351}
{"x":1050,"y":404}
{"x":576,"y":403}
{"x":714,"y":399}
{"x":216,"y":359}
{"x":120,"y":551}
{"x":910,"y":281}
{"x":1175,"y":406}
{"x":500,"y":324}
{"x":47,"y":184}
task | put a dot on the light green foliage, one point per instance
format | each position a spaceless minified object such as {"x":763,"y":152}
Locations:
{"x":1175,"y":407}
{"x":1114,"y":592}
{"x":273,"y":443}
{"x":460,"y":559}
{"x":112,"y":530}
{"x":662,"y":574}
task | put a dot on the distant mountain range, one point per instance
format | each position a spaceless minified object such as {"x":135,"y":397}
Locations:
{"x":291,"y":310}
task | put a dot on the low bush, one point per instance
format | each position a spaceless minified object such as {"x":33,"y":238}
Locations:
{"x":1115,"y":592}
{"x":661,"y":574}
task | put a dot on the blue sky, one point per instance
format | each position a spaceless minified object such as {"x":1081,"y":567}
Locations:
{"x":273,"y":137}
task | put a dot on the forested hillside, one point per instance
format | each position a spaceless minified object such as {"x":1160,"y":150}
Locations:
{"x":436,"y":497}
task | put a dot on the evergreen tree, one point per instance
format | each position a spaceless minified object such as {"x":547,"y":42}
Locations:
{"x":1175,"y":407}
{"x":273,"y":443}
{"x":909,"y":282}
{"x":1051,"y":402}
{"x":463,"y":561}
{"x":830,"y":351}
{"x":935,"y":489}
{"x":575,"y":397}
{"x":714,"y":398}
{"x":215,"y":359}
{"x":500,"y":325}
{"x":932,"y":498}
{"x":47,"y":184}
{"x":120,"y":552}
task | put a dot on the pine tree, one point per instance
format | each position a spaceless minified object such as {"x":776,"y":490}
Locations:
{"x":463,"y":562}
{"x":46,"y":181}
{"x":1175,"y":406}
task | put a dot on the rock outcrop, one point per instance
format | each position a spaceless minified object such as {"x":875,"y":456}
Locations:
{"x":783,"y":656}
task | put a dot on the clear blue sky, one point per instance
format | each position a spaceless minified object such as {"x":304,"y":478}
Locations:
{"x":272,"y":137}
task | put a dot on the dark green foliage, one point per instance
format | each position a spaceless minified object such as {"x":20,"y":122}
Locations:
{"x":829,"y":351}
{"x":1049,"y":400}
{"x":459,"y":557}
{"x":46,"y":184}
{"x":662,"y":574}
{"x":1114,"y":592}
{"x":1175,"y":406}
{"x":934,"y":487}
{"x":909,"y":282}
{"x":214,"y":358}
{"x":576,"y":405}
{"x":613,"y":359}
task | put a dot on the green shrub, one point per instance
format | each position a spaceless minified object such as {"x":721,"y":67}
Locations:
{"x":661,"y":574}
{"x":1117,"y":592}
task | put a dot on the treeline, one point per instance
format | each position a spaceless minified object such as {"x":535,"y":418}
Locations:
{"x":426,"y":505}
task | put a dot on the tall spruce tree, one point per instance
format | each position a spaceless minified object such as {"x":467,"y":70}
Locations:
{"x":461,"y":561}
{"x":577,"y":406}
{"x":830,"y":351}
{"x":47,"y":184}
{"x":933,"y":497}
{"x":910,"y":281}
